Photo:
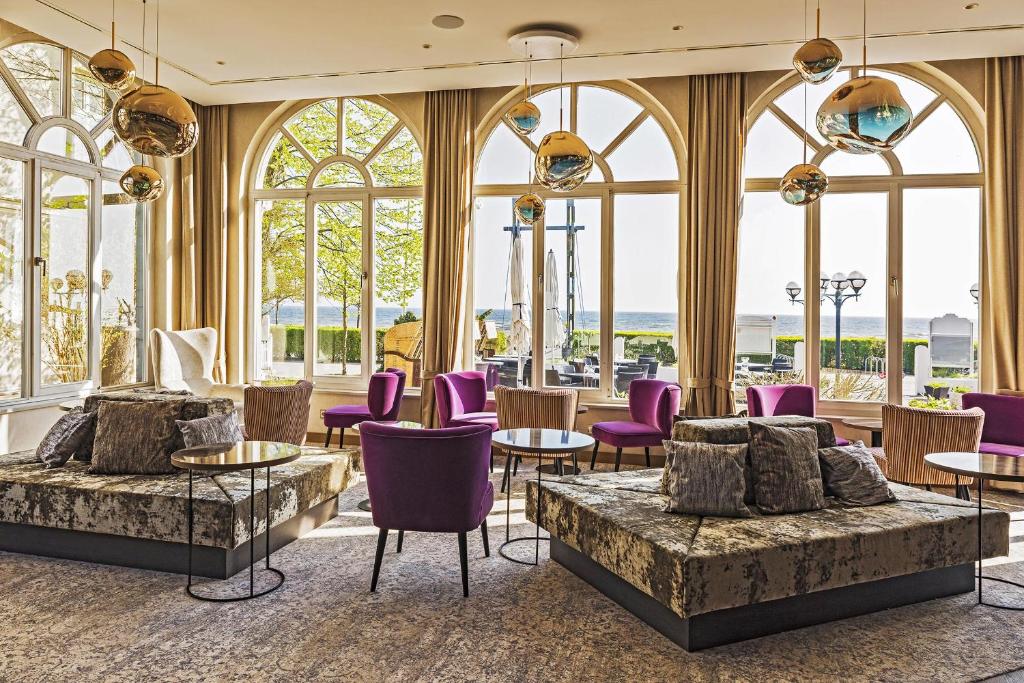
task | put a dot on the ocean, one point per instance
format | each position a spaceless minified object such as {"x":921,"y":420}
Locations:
{"x":853,"y":326}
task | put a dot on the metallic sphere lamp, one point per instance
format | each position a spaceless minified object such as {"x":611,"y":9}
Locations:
{"x":865,"y":115}
{"x":529,"y":208}
{"x":817,"y":59}
{"x":523,"y":117}
{"x":803,"y":184}
{"x":563,"y":161}
{"x":113,"y":69}
{"x":142,"y":183}
{"x":152,"y":119}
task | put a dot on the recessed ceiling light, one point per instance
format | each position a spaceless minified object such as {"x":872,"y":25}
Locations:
{"x":427,"y":46}
{"x":221,"y":62}
{"x":973,"y":5}
{"x":678,"y":27}
{"x":447,"y":21}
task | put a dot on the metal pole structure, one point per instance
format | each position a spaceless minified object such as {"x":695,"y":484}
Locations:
{"x":570,"y":276}
{"x":839,"y":299}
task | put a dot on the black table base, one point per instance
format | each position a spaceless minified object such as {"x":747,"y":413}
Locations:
{"x":364,"y":505}
{"x":536,"y":538}
{"x":252,"y":547}
{"x":982,"y":579}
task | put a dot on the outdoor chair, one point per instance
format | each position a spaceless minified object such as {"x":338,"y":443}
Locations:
{"x":652,"y":405}
{"x":383,"y":401}
{"x":278,"y":413}
{"x":626,"y":375}
{"x":534,"y":408}
{"x":432,"y":480}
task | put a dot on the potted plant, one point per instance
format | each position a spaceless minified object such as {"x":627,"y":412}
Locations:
{"x":956,"y":397}
{"x":936,"y":390}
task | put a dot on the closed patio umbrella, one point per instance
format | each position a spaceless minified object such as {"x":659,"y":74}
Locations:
{"x":554,"y":331}
{"x":519,"y":335}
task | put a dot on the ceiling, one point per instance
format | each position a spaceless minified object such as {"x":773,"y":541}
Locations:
{"x":224,"y":51}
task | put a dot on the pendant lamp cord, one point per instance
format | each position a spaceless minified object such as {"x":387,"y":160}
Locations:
{"x":805,"y":82}
{"x":143,"y":40}
{"x":113,"y":24}
{"x":156,"y":76}
{"x":561,"y":85}
{"x":817,"y":30}
{"x":865,"y":39}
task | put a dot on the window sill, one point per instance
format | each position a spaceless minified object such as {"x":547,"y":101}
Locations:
{"x":19,"y":405}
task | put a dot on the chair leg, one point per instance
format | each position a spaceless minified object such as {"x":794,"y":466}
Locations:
{"x":464,"y":561}
{"x":382,"y":541}
{"x":515,"y":465}
{"x":492,"y":460}
{"x":593,"y":456}
{"x":341,"y":438}
{"x":504,"y":477}
{"x":575,"y":464}
{"x":483,"y":533}
{"x":928,"y":488}
{"x":401,"y":537}
{"x":327,"y":441}
{"x":618,"y":458}
{"x":559,"y":467}
{"x":647,"y":455}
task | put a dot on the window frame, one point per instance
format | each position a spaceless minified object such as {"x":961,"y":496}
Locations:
{"x":606,"y":191}
{"x":892,"y":186}
{"x":36,"y":161}
{"x":310,"y":195}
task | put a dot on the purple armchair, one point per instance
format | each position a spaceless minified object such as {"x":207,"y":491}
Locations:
{"x":383,"y":401}
{"x":1003,"y":430}
{"x":784,"y":399}
{"x":652,"y":403}
{"x":462,"y":400}
{"x":427,"y":480}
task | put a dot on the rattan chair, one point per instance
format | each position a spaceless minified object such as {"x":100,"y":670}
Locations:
{"x":519,"y":408}
{"x":908,"y":434}
{"x":278,"y":413}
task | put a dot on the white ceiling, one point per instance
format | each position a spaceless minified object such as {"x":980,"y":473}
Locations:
{"x":284,"y":49}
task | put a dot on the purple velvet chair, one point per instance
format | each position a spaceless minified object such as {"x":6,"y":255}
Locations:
{"x":383,"y":401}
{"x":652,"y":403}
{"x":427,"y":480}
{"x":462,"y":400}
{"x":784,"y":399}
{"x":1003,"y":430}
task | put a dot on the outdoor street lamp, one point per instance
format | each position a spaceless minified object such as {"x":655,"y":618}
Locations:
{"x":843,"y":286}
{"x":975,"y":291}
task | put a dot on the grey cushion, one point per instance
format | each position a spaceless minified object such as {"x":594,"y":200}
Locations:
{"x":135,"y":438}
{"x":706,"y":479}
{"x":748,"y":472}
{"x":852,"y":475}
{"x":65,"y":437}
{"x":736,"y":430}
{"x":210,"y":430}
{"x":787,"y":477}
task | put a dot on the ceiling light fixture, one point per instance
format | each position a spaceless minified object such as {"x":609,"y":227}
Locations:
{"x":524,"y":117}
{"x":112,"y":67}
{"x":816,"y":60}
{"x":447,"y":21}
{"x":678,"y":27}
{"x":973,"y":5}
{"x":804,"y":183}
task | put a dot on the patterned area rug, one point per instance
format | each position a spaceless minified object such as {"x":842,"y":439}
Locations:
{"x":67,"y":621}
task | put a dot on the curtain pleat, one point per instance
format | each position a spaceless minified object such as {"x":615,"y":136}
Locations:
{"x":1002,"y":299}
{"x":202,"y":210}
{"x":448,"y":200}
{"x":715,"y":143}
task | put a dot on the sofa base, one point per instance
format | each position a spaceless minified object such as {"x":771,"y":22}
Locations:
{"x":753,"y":621}
{"x":164,"y":556}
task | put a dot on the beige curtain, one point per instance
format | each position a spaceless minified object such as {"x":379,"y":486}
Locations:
{"x":201,"y":207}
{"x":1002,"y":336}
{"x":448,"y":201}
{"x":715,"y":189}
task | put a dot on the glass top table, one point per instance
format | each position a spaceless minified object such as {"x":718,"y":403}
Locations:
{"x":243,"y":455}
{"x":982,"y":466}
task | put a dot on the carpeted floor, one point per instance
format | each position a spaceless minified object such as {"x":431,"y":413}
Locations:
{"x":65,"y":621}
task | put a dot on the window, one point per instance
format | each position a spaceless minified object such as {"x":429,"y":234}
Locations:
{"x":69,"y":238}
{"x":338,"y":200}
{"x":904,"y":224}
{"x":596,"y":300}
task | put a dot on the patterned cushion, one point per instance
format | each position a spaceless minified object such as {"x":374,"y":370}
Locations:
{"x":787,"y":477}
{"x":736,"y":430}
{"x":748,"y":471}
{"x":135,"y":438}
{"x":65,"y":437}
{"x":852,"y":475}
{"x":209,"y":430}
{"x":706,"y":479}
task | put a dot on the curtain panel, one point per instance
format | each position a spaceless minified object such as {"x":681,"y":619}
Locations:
{"x":448,"y":146}
{"x":1002,"y":298}
{"x":714,"y":146}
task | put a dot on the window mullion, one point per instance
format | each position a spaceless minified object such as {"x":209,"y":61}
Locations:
{"x":368,"y":319}
{"x":812,"y":307}
{"x":309,"y":310}
{"x":894,"y":297}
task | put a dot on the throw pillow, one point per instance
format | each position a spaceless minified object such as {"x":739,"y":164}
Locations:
{"x":65,"y":438}
{"x":748,"y":473}
{"x":706,"y":479}
{"x":853,"y":476}
{"x":210,"y":430}
{"x":787,"y":477}
{"x":135,"y":438}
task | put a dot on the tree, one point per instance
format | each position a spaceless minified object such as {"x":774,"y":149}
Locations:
{"x":284,"y":255}
{"x":399,"y":254}
{"x":339,"y":263}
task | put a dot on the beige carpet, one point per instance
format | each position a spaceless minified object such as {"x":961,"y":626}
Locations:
{"x":70,"y":621}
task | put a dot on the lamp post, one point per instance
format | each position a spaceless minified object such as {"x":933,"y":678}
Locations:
{"x":975,"y":291}
{"x":843,"y":288}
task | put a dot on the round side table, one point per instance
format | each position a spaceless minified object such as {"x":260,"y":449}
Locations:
{"x":871,"y":424}
{"x":235,"y":457}
{"x":536,"y":443}
{"x":982,"y":466}
{"x":364,"y":504}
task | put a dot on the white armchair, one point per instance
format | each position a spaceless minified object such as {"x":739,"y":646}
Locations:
{"x":185,"y":360}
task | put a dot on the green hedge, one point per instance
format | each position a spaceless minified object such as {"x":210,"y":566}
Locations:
{"x":638,"y":343}
{"x":330,"y":341}
{"x":856,"y":350}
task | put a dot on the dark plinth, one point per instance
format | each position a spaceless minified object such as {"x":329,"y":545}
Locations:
{"x":775,"y":616}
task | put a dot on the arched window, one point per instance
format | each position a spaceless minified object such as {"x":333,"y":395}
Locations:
{"x":327,"y":173}
{"x":61,"y":214}
{"x":595,"y":300}
{"x":908,"y":221}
